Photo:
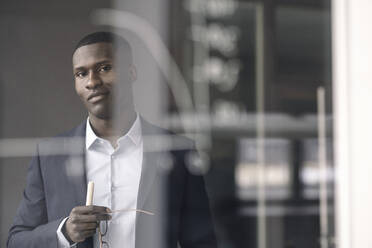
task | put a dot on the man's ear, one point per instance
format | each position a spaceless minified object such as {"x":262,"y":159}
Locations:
{"x":133,"y":73}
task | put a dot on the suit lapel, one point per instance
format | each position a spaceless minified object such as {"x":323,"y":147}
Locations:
{"x":149,"y":172}
{"x":148,"y":177}
{"x":75,"y":164}
{"x":150,"y":189}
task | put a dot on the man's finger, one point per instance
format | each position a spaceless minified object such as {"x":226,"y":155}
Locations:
{"x":87,"y":226}
{"x":90,"y":209}
{"x":85,"y":218}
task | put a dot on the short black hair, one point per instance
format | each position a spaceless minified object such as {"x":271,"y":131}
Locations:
{"x":109,"y":37}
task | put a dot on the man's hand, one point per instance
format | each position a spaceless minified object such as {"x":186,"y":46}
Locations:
{"x":83,"y":221}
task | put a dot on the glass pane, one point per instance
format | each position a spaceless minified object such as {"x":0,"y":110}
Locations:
{"x":238,"y":78}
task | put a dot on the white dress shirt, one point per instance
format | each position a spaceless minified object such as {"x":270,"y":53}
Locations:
{"x":116,"y":175}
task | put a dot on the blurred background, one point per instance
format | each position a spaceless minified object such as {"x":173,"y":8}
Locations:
{"x":252,"y":81}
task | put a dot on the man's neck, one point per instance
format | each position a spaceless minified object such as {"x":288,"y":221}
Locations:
{"x":112,"y":129}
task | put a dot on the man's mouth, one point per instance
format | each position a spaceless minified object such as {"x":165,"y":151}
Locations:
{"x":98,"y":96}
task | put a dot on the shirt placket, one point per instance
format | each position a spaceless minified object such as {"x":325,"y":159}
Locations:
{"x":111,"y":155}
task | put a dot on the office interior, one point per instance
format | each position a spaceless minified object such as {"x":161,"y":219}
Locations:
{"x":275,"y":94}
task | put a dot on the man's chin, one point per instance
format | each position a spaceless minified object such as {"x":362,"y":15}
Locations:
{"x":103,"y":114}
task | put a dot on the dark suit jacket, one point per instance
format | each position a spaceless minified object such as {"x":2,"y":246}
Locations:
{"x":57,"y":183}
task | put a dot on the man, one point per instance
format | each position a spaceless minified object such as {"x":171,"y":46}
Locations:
{"x":113,"y":153}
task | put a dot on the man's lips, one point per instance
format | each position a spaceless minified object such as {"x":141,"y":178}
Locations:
{"x":97,"y":96}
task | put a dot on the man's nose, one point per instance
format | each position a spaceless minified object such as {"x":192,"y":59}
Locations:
{"x":93,"y":81}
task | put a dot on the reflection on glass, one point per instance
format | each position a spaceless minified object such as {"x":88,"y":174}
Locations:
{"x":214,"y":43}
{"x":310,"y":172}
{"x":277,"y":169}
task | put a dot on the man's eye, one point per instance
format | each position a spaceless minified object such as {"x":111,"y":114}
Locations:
{"x":105,"y":68}
{"x":80,"y":74}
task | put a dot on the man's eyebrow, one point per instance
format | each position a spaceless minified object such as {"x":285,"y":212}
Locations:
{"x":103,"y":62}
{"x":95,"y":65}
{"x":79,"y":68}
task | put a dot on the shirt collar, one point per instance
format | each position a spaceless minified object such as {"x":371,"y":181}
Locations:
{"x":134,"y":134}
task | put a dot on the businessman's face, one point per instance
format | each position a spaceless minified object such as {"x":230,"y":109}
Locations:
{"x":95,"y":79}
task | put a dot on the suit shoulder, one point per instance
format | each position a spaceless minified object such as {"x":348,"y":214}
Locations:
{"x":69,"y":138}
{"x":76,"y":131}
{"x":177,"y":141}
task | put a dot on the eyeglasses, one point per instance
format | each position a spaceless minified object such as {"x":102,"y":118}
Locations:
{"x":102,"y":231}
